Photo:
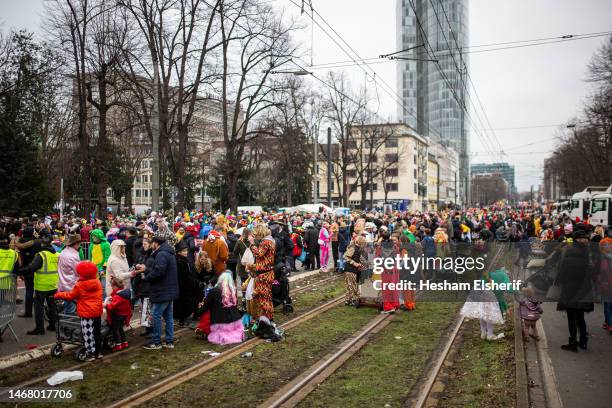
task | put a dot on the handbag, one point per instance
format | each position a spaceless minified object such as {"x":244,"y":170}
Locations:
{"x":554,"y":292}
{"x":247,"y":257}
{"x":250,"y":289}
{"x":302,"y":257}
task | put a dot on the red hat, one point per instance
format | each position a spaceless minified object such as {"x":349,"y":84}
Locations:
{"x":87,"y":270}
{"x":215,"y":233}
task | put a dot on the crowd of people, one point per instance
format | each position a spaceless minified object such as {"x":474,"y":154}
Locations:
{"x":216,"y":272}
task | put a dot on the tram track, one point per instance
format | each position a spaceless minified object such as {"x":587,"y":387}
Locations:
{"x":300,"y":387}
{"x":161,"y":387}
{"x":178,"y":334}
{"x":425,"y":396}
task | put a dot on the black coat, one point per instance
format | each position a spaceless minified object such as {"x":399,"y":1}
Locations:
{"x":218,"y":313}
{"x":191,"y":246}
{"x":575,"y":279}
{"x":162,"y":276}
{"x":311,"y":239}
{"x":130,"y":246}
{"x":189,"y":286}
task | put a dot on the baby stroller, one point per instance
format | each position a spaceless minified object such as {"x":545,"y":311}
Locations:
{"x":68,"y":331}
{"x":280,"y":290}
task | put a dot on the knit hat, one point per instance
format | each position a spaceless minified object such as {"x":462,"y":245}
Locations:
{"x":162,"y":235}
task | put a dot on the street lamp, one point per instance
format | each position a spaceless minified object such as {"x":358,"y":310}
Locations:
{"x":220,"y":178}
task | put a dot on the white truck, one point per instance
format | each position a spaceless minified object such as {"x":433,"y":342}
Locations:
{"x":600,"y":208}
{"x":581,"y":202}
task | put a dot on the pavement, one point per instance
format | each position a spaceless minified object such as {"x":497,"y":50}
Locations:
{"x":21,"y":326}
{"x":584,"y":379}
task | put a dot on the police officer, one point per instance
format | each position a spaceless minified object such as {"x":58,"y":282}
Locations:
{"x":8,"y":266}
{"x":45,"y":270}
{"x":8,"y":262}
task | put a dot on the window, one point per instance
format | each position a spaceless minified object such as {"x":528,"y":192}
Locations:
{"x":415,"y":188}
{"x":392,"y":187}
{"x":391,"y":172}
{"x":373,"y":187}
{"x":332,"y":187}
{"x":351,"y":144}
{"x":145,"y":178}
{"x":415,"y":160}
{"x":137,"y":193}
{"x":145,"y":193}
{"x":391,"y":142}
{"x":599,"y":205}
{"x":415,"y":173}
{"x":351,"y":173}
{"x":373,"y":158}
{"x":391,"y":158}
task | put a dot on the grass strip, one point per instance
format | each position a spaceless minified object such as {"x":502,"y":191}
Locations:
{"x":108,"y":381}
{"x":245,"y":382}
{"x":483,"y":373}
{"x":384,"y":371}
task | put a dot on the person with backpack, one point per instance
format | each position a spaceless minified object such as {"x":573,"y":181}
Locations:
{"x":298,"y":246}
{"x":344,"y":238}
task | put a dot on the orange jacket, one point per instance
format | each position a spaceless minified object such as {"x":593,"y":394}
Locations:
{"x":87,"y":291}
{"x":217,"y":252}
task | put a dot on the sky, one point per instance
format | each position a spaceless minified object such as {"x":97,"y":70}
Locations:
{"x":535,"y":88}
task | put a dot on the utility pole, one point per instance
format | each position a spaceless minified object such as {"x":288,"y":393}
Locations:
{"x":329,"y":168}
{"x":315,"y":190}
{"x":155,"y":141}
{"x":437,"y":185}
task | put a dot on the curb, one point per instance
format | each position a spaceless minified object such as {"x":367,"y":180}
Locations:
{"x":522,"y":382}
{"x":553,"y":398}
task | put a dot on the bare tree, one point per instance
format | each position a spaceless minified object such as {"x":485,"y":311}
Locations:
{"x":343,"y":111}
{"x":254,"y":43}
{"x":180,"y":37}
{"x":69,"y":24}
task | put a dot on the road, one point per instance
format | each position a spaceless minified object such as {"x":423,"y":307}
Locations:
{"x":583,"y":378}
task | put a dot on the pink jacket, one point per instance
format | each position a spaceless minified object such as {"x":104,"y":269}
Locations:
{"x":324,"y":237}
{"x":67,"y":262}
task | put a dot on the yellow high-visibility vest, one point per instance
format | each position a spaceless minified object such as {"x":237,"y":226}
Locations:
{"x":8,"y":257}
{"x":46,"y":277}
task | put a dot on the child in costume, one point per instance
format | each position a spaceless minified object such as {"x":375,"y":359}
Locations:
{"x":531,"y":311}
{"x":484,"y":306}
{"x":88,"y":294}
{"x":119,"y":312}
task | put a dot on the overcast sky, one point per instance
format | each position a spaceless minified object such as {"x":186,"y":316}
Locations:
{"x":524,"y":87}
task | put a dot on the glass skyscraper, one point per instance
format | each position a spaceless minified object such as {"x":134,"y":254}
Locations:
{"x":434,"y":93}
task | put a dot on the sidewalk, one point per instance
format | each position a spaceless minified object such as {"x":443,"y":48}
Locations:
{"x":584,"y":378}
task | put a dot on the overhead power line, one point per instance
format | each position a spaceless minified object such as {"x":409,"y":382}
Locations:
{"x":468,"y":49}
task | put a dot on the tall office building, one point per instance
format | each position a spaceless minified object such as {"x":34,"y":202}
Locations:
{"x":434,"y":93}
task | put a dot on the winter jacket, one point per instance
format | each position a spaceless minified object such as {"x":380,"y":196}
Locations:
{"x":311,"y":239}
{"x":67,"y":262}
{"x":130,"y":249}
{"x":239,"y":250}
{"x":87,"y":292}
{"x":189,"y":286}
{"x":117,"y":265}
{"x":530,"y":309}
{"x":218,"y":313}
{"x":218,"y":252}
{"x":575,"y":280}
{"x":99,"y":253}
{"x":162,"y":275}
{"x":191,"y":245}
{"x":344,"y":238}
{"x":119,"y":306}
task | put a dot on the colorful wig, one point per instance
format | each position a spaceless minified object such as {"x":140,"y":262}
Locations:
{"x":228,"y":289}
